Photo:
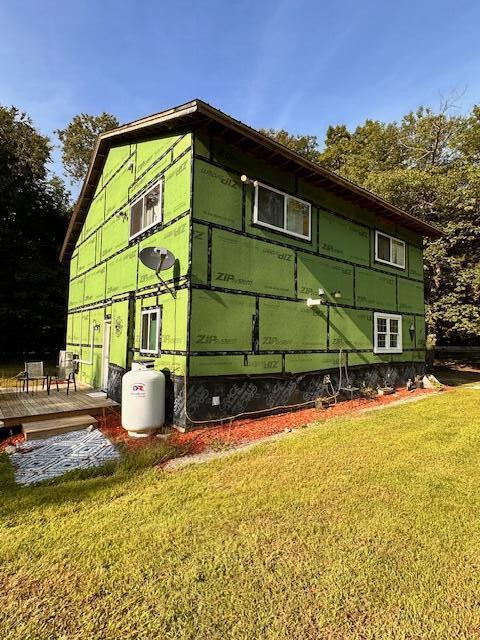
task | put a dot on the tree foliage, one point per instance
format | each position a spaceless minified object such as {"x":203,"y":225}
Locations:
{"x":304,"y":144}
{"x":427,"y":164}
{"x":33,"y":217}
{"x":78,"y":139}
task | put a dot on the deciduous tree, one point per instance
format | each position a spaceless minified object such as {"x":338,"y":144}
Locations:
{"x":78,"y":139}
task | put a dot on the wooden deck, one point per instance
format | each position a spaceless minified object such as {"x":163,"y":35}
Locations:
{"x":17,"y":408}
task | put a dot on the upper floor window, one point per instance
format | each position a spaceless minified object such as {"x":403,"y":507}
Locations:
{"x":281,"y":212}
{"x":150,"y":334}
{"x":387,"y":333}
{"x":146,"y":210}
{"x":389,"y":250}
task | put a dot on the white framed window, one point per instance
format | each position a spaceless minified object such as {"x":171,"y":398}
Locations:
{"x":146,"y":210}
{"x":150,"y":333}
{"x":279,"y":211}
{"x":387,"y":333}
{"x":389,"y":250}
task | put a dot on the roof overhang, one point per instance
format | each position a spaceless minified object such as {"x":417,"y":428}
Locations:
{"x":246,"y":139}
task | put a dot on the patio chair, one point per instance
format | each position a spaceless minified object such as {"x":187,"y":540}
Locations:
{"x":34,"y":372}
{"x":65,"y":371}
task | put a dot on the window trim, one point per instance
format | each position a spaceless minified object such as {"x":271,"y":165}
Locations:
{"x":387,"y":349}
{"x":389,"y":262}
{"x":151,"y":311}
{"x":158,"y":183}
{"x":283,"y":229}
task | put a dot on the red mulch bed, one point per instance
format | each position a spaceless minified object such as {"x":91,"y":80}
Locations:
{"x":250,"y":429}
{"x":241,"y":431}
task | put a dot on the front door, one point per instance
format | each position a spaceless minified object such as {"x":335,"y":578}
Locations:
{"x":105,"y":355}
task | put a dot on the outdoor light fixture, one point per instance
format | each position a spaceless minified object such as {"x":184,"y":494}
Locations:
{"x":337,"y":295}
{"x":246,"y":180}
{"x":96,"y":326}
{"x":311,"y":302}
{"x":411,"y":328}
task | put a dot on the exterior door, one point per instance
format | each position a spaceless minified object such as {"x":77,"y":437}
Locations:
{"x":105,"y":355}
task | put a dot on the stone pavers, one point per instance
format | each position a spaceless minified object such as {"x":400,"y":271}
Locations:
{"x":38,"y":460}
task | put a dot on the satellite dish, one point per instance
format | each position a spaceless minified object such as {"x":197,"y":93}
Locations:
{"x":157,"y":258}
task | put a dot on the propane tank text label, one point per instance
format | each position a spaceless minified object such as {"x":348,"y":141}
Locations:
{"x":138,"y":390}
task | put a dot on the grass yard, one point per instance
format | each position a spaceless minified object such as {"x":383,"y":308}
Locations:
{"x":367,"y":527}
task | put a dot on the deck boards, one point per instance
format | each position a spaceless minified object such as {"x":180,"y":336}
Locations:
{"x":19,"y":407}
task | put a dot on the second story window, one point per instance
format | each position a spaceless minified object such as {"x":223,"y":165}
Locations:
{"x":279,"y":211}
{"x":146,"y":210}
{"x":389,"y":250}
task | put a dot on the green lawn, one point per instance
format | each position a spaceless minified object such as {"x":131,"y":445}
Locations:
{"x":355,"y":528}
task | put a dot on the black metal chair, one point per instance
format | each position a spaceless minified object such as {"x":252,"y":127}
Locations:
{"x":65,"y":372}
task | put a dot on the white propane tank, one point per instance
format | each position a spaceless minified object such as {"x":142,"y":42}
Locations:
{"x":143,"y":401}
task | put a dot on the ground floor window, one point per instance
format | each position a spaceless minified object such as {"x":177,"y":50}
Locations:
{"x":151,"y":324}
{"x":387,"y":333}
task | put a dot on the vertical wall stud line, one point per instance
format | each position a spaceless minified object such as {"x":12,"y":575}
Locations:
{"x":244,"y":198}
{"x":209,"y":257}
{"x":328,"y":327}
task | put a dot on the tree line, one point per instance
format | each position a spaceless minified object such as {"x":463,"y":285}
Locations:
{"x":428,"y":164}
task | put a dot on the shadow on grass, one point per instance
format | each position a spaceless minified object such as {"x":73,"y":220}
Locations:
{"x":81,"y":484}
{"x":455,"y":375}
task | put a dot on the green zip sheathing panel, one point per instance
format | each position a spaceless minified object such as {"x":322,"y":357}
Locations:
{"x":176,"y":238}
{"x":117,"y":157}
{"x":410,"y":296}
{"x":87,"y":254}
{"x":96,"y":214}
{"x":119,"y":333}
{"x":176,"y":197}
{"x":304,"y":362}
{"x":361,"y":359}
{"x":350,"y":329}
{"x":316,"y":273}
{"x":151,"y":153}
{"x":218,"y":195}
{"x":200,"y":254}
{"x":91,"y":373}
{"x":420,"y":337}
{"x":249,"y":265}
{"x":291,"y":326}
{"x":75,"y":294}
{"x":343,"y":239}
{"x":150,"y":177}
{"x":221,"y":321}
{"x":122,"y":272}
{"x":235,"y":365}
{"x":95,"y":283}
{"x":115,"y":234}
{"x":375,"y":290}
{"x":116,"y":194}
{"x":415,"y":262}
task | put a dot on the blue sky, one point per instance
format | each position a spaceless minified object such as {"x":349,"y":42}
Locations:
{"x":297,"y":64}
